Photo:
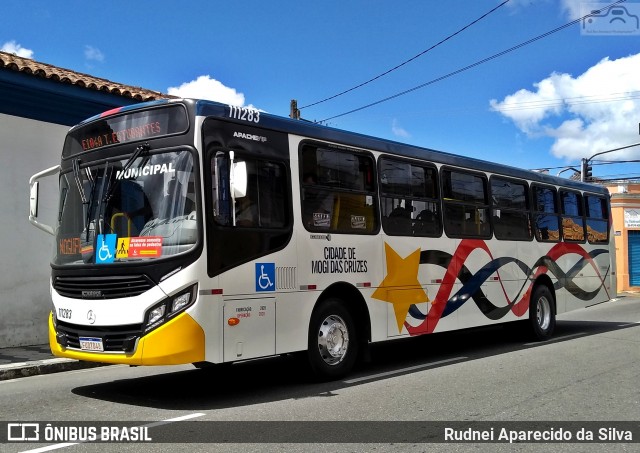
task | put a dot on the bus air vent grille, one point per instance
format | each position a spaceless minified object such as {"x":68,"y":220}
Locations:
{"x":105,"y":287}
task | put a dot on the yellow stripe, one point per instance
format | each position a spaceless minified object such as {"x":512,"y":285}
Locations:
{"x":178,"y":341}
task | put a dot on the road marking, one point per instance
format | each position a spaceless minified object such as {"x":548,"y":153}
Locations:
{"x":403,"y":370}
{"x":148,"y":425}
{"x":555,"y":339}
{"x":49,"y":448}
{"x":171,"y":420}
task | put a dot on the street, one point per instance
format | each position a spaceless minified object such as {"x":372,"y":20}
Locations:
{"x":589,"y":371}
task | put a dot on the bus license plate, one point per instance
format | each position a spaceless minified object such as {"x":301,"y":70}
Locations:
{"x":91,"y":344}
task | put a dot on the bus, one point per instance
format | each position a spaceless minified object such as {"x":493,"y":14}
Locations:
{"x":192,"y":232}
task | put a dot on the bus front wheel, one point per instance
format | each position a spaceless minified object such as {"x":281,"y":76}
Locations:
{"x":333,"y":346}
{"x":542,"y":317}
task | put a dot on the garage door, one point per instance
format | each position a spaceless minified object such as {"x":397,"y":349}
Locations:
{"x":634,"y":258}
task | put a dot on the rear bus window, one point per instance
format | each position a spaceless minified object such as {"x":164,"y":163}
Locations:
{"x":572,"y":220}
{"x":597,"y":219}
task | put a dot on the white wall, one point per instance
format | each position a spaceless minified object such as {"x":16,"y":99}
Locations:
{"x":26,"y":147}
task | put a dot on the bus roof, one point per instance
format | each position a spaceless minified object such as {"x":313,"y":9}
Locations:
{"x":353,"y":139}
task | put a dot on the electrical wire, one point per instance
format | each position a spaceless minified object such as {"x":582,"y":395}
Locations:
{"x":407,"y":61}
{"x":577,"y":100}
{"x":593,"y":162}
{"x":466,"y":68}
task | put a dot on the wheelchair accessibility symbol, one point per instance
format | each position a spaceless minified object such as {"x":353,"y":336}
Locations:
{"x":265,"y":277}
{"x":105,"y":248}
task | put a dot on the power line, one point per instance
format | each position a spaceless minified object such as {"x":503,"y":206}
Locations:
{"x":577,"y":100}
{"x":466,"y":68}
{"x":409,"y":60}
{"x":594,"y":163}
{"x":613,"y":162}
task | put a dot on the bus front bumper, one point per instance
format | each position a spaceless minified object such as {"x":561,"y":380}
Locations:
{"x":178,"y":341}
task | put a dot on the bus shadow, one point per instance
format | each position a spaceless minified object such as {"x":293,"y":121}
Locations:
{"x":286,"y":377}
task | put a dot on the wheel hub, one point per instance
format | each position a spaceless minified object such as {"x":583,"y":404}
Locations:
{"x":543,"y":313}
{"x":333,"y":340}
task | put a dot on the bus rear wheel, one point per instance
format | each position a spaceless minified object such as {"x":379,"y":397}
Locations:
{"x":542,"y":316}
{"x":333,"y":345}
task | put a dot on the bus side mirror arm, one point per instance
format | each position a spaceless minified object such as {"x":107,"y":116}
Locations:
{"x":34,"y":187}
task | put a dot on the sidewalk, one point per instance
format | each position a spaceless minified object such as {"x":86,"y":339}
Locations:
{"x":23,"y":361}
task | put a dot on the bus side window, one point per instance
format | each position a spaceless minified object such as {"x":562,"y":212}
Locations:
{"x":337,"y":190}
{"x":410,"y":205}
{"x":510,"y":209}
{"x":466,"y":204}
{"x":546,"y":219}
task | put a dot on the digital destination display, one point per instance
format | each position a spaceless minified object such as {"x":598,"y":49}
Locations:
{"x":123,"y":136}
{"x":118,"y":129}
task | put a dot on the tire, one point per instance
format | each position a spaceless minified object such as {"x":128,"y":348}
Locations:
{"x":542,"y":313}
{"x":333,"y":342}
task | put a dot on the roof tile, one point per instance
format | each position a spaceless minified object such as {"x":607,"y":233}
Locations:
{"x":36,"y":69}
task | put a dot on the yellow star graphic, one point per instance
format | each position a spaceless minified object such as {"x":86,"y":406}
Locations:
{"x":401,"y":286}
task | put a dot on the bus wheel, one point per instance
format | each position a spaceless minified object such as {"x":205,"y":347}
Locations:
{"x":542,"y":317}
{"x":333,"y":346}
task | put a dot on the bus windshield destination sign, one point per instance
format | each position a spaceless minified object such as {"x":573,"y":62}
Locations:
{"x":122,"y":136}
{"x":126,"y":128}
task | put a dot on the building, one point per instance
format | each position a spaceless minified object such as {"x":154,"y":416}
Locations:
{"x":38,"y":103}
{"x":625,"y":212}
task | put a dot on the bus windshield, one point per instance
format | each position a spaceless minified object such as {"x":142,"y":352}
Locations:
{"x":139,"y":207}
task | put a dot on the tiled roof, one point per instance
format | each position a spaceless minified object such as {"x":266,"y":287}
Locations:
{"x":47,"y":71}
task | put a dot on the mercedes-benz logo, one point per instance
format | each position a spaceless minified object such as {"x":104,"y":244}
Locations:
{"x":91,"y":317}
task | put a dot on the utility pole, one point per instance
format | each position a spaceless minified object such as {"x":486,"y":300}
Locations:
{"x":294,"y":112}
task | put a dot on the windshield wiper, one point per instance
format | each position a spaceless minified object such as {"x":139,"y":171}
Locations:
{"x":75,"y":164}
{"x":106,"y":194}
{"x":88,"y":203}
{"x":144,"y":148}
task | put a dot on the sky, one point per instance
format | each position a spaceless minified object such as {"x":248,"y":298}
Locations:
{"x":507,"y":82}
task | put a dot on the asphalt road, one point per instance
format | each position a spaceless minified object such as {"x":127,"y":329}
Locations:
{"x":589,"y":372}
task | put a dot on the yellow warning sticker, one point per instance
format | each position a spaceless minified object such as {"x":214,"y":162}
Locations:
{"x":122,"y":250}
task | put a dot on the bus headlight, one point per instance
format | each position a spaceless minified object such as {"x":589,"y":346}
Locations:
{"x":169,"y":307}
{"x":156,"y":314}
{"x":180,"y":302}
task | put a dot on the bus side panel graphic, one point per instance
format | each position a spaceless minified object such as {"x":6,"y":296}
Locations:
{"x":444,"y":303}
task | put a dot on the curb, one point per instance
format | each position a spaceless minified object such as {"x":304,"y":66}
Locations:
{"x":48,"y":366}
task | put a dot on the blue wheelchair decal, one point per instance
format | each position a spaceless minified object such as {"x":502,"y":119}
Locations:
{"x":106,"y":248}
{"x":265,"y":277}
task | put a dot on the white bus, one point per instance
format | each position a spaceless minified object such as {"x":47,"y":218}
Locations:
{"x":195,"y":232}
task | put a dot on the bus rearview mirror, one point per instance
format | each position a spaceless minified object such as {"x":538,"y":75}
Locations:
{"x":33,"y":199}
{"x":239,"y":179}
